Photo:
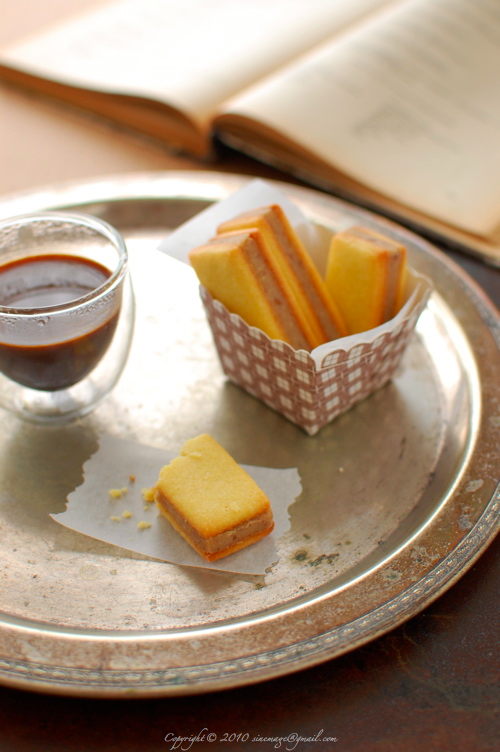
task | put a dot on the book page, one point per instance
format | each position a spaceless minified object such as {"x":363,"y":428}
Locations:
{"x":191,"y":54}
{"x":409,"y":105}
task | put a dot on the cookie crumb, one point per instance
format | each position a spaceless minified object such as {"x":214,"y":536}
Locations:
{"x":143,"y":525}
{"x":126,"y":514}
{"x":148,"y":494}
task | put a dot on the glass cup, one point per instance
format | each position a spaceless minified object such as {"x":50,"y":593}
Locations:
{"x":66,"y":314}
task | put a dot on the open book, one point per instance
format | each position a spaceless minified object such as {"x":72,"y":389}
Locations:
{"x":394,"y":104}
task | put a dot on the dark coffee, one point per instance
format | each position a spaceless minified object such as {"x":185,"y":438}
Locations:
{"x":52,"y":280}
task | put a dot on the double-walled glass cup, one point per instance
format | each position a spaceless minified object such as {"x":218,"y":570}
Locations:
{"x":66,"y":314}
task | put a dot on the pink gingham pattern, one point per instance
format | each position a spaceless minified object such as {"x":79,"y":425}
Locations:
{"x":290,"y":382}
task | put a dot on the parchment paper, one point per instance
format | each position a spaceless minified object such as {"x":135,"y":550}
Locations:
{"x":91,"y":509}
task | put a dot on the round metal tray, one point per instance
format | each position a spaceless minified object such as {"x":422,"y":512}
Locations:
{"x":400,"y":494}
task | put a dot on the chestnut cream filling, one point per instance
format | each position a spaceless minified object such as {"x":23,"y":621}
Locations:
{"x":393,"y":274}
{"x":223,"y":540}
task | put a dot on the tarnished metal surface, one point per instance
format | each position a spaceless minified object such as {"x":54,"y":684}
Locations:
{"x":400,"y":494}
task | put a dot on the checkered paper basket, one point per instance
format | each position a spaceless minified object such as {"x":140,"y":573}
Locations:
{"x":311,"y":391}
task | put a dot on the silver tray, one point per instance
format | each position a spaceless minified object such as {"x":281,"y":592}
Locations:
{"x":400,"y":494}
